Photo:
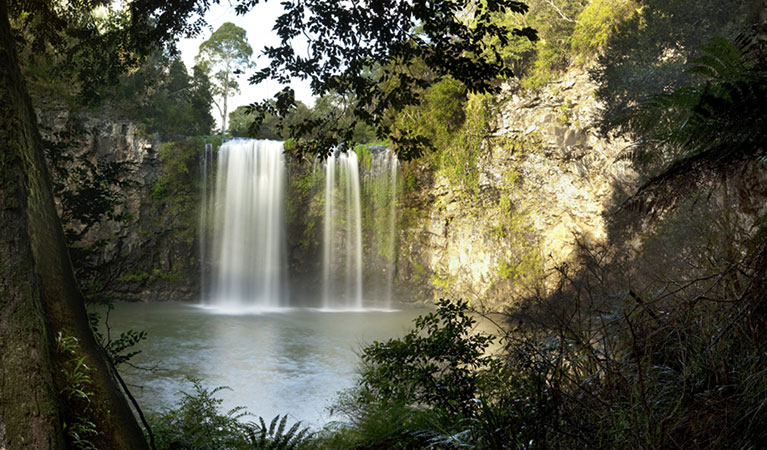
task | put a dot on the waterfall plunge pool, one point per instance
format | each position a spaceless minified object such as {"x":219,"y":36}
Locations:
{"x":293,"y":361}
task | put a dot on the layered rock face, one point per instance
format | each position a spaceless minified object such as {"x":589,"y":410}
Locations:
{"x":547,"y":175}
{"x":137,"y":255}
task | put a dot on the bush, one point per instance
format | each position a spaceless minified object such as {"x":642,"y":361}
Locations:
{"x":595,"y":24}
{"x":437,"y":387}
{"x":435,"y":365}
{"x":197,"y":424}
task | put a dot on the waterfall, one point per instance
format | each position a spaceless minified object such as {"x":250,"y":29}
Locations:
{"x":342,"y":234}
{"x":242,"y":238}
{"x":380,"y":185}
{"x":359,"y":190}
{"x":392,"y":253}
{"x":206,"y":161}
{"x":248,"y":241}
{"x":329,"y":233}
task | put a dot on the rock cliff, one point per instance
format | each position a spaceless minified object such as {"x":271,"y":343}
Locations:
{"x":136,"y":254}
{"x":546,"y":176}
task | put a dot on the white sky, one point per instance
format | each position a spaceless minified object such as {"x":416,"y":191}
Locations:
{"x":258,"y":23}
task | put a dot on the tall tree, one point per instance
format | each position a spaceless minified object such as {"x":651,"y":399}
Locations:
{"x":226,"y":53}
{"x":39,"y":296}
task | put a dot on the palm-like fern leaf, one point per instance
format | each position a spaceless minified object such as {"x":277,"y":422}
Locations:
{"x":274,"y":436}
{"x":696,"y":132}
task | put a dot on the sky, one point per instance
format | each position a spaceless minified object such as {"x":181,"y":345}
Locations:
{"x":258,"y":23}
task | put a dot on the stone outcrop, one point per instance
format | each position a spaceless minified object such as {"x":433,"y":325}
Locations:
{"x":136,"y":257}
{"x":547,"y":175}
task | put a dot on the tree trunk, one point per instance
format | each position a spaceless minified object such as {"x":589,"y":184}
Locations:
{"x":39,"y":296}
{"x":226,"y":101}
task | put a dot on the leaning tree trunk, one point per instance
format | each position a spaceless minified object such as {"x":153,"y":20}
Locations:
{"x":38,"y":293}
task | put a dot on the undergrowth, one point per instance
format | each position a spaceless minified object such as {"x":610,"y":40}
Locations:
{"x":196,"y":423}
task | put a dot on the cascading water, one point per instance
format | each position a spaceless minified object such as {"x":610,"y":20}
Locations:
{"x":248,"y":237}
{"x":242,"y":228}
{"x":380,"y":198}
{"x":390,"y":160}
{"x":342,"y":234}
{"x":355,"y":195}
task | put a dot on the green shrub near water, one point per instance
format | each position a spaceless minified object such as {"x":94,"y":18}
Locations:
{"x":436,"y":387}
{"x":197,"y":423}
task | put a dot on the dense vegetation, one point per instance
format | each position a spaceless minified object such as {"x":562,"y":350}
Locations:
{"x":654,"y":339}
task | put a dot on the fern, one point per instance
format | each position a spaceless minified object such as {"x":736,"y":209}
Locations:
{"x":696,"y":132}
{"x":274,"y":436}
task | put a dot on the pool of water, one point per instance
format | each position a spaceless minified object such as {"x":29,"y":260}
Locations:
{"x":291,"y":362}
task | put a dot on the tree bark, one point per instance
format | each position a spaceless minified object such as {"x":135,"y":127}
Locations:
{"x":39,"y":296}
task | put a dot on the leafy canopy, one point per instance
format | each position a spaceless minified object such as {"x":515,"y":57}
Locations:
{"x":382,"y":55}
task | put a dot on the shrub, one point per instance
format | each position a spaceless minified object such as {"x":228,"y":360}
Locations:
{"x":595,"y":24}
{"x":197,"y":424}
{"x":435,"y":365}
{"x":76,"y":383}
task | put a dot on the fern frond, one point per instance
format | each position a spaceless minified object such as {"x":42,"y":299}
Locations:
{"x":695,"y":132}
{"x":275,"y":437}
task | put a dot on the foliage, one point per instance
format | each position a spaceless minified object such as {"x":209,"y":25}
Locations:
{"x":75,"y":389}
{"x":555,"y":21}
{"x":596,"y":22}
{"x":438,"y":117}
{"x":438,"y":387}
{"x":637,"y":346}
{"x":368,"y":51}
{"x":274,"y":436}
{"x":164,"y":99}
{"x":88,"y":192}
{"x":226,"y":53}
{"x":646,"y":53}
{"x":454,"y":123}
{"x":458,"y":161}
{"x":197,"y":424}
{"x":115,"y":348}
{"x":693,"y":132}
{"x":87,"y":45}
{"x":240,"y":121}
{"x":435,"y":365}
{"x":176,"y":185}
